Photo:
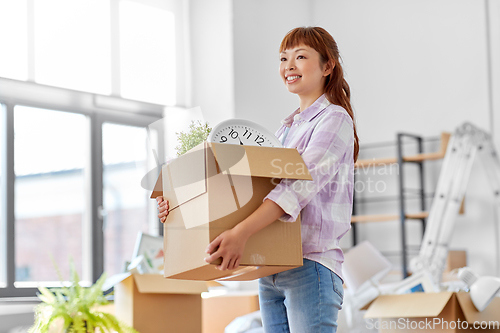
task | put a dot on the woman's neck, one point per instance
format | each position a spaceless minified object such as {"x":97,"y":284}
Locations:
{"x":307,"y":101}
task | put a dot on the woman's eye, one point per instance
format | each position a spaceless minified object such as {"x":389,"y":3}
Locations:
{"x":300,"y":57}
{"x":283,"y":59}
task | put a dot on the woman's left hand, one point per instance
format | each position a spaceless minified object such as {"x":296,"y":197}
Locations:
{"x":229,"y":245}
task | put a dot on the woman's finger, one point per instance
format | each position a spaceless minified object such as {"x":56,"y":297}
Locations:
{"x":236,"y":263}
{"x":212,"y":246}
{"x":232,"y":264}
{"x":212,"y":257}
{"x":225,"y":264}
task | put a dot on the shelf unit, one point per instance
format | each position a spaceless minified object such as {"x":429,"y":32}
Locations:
{"x":403,"y":215}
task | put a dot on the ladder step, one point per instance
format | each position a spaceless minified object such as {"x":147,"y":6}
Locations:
{"x":445,"y":137}
{"x":386,"y":217}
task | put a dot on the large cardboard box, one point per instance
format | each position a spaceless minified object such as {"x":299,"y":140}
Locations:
{"x":431,"y":312}
{"x":220,"y":311}
{"x":151,"y":303}
{"x":212,"y":188}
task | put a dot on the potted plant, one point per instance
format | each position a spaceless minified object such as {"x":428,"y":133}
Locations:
{"x":73,"y":309}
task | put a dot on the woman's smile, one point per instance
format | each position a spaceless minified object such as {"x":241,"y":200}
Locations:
{"x":292,"y":78}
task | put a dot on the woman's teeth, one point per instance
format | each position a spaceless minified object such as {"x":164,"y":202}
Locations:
{"x":290,"y":78}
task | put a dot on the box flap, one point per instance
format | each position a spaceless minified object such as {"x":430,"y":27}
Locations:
{"x":158,"y":189}
{"x":189,"y":181}
{"x":491,"y":313}
{"x":260,"y":161}
{"x":409,"y":305}
{"x":114,"y":280}
{"x":157,"y":284}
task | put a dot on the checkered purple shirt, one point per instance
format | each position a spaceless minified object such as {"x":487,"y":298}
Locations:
{"x":323,"y":134}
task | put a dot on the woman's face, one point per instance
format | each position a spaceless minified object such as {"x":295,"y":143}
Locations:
{"x":302,"y":71}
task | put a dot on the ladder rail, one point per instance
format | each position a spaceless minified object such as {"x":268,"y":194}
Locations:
{"x":439,"y":204}
{"x":438,"y":261}
{"x":491,"y":165}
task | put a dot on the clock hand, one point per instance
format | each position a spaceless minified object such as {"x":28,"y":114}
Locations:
{"x":241,"y":143}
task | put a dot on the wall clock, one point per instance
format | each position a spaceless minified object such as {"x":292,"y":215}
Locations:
{"x":243,"y":132}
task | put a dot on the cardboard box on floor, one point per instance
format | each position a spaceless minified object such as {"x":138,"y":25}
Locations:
{"x":151,"y":303}
{"x":430,"y":312}
{"x":212,"y":188}
{"x":455,"y":259}
{"x":220,"y":311}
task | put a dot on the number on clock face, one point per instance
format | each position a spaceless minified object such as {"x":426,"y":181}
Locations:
{"x":241,"y":135}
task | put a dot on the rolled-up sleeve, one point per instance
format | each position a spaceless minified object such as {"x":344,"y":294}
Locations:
{"x":329,"y":142}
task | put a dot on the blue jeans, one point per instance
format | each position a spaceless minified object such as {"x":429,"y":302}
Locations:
{"x":305,"y":299}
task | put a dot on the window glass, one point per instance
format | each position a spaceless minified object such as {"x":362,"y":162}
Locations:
{"x":72,"y":44}
{"x":13,"y":40}
{"x":125,"y":201}
{"x":50,"y":150}
{"x":147,"y":53}
{"x":3,"y":202}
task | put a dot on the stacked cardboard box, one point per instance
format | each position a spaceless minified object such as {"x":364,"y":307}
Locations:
{"x":151,"y":303}
{"x":220,"y":311}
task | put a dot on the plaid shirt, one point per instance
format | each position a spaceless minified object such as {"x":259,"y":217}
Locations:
{"x":323,"y":134}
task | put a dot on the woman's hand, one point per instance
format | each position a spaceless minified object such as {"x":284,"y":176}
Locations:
{"x":162,"y":209}
{"x":229,"y":245}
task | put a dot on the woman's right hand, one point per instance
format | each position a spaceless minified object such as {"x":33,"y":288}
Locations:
{"x":162,"y":208}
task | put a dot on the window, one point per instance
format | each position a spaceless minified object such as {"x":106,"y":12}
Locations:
{"x":13,"y":40}
{"x":125,"y":202}
{"x":72,"y":44}
{"x":147,"y":53}
{"x":50,"y":150}
{"x":3,"y":235}
{"x":70,"y":182}
{"x":133,"y":49}
{"x":66,"y":165}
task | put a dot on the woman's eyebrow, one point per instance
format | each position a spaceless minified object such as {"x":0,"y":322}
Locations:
{"x":297,"y":50}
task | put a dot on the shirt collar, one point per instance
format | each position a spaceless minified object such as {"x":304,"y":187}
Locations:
{"x":308,"y":114}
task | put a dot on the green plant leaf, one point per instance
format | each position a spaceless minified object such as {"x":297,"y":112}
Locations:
{"x":196,"y":134}
{"x":47,"y":296}
{"x":74,"y":306}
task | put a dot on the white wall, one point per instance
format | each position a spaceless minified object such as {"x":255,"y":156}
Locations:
{"x":259,"y":27}
{"x":416,"y":66}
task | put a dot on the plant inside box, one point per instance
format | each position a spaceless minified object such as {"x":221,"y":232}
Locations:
{"x":73,"y":309}
{"x":197,"y":133}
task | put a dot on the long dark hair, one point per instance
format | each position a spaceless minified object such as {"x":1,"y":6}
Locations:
{"x":337,"y":90}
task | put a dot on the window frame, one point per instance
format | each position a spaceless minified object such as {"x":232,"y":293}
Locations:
{"x":99,"y":109}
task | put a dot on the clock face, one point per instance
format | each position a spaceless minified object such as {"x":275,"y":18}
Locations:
{"x":243,"y":132}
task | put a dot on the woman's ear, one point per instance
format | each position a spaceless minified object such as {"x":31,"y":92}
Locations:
{"x":328,"y":68}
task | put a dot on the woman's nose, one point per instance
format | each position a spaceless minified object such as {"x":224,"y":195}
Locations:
{"x":290,"y":65}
